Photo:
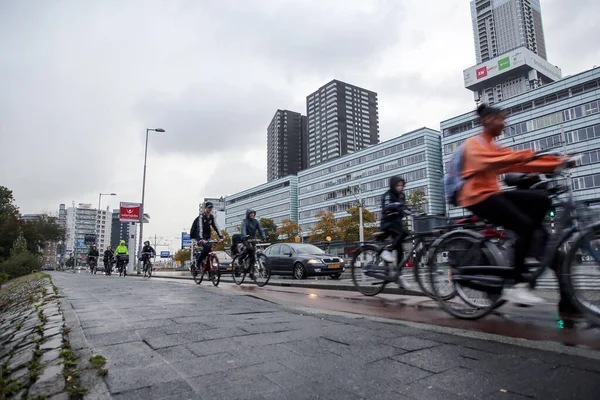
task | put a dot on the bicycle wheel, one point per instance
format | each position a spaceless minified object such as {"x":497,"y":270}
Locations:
{"x":367,"y":256}
{"x":238,"y":270}
{"x":215,"y":270}
{"x":261,"y":271}
{"x":198,"y":274}
{"x":458,"y":296}
{"x":581,"y":273}
{"x":149,"y":270}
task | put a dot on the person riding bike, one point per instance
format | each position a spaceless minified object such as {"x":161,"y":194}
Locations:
{"x":250,"y":226}
{"x":108,"y":257}
{"x":201,"y":231}
{"x":147,"y":251}
{"x":93,"y":255}
{"x":521,"y":211}
{"x":121,"y":250}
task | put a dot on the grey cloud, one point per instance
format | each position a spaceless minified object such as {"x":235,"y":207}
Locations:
{"x":210,"y":118}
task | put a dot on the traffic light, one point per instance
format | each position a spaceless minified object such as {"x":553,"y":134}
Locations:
{"x":552,"y":213}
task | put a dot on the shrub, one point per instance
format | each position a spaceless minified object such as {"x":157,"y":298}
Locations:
{"x":20,"y":264}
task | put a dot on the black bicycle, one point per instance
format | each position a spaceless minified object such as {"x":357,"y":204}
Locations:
{"x":108,"y":265}
{"x":93,"y":261}
{"x":122,"y":261}
{"x":251,"y":260}
{"x":210,"y":265}
{"x":147,"y":266}
{"x":479,"y":271}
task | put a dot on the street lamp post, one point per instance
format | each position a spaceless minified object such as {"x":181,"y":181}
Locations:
{"x":100,"y":215}
{"x":143,"y":195}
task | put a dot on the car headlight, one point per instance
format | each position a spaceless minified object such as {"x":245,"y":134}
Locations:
{"x":314,"y":261}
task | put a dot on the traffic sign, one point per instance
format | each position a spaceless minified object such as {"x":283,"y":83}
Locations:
{"x":186,"y":240}
{"x":81,"y":244}
{"x":165,"y":254}
{"x":69,"y":251}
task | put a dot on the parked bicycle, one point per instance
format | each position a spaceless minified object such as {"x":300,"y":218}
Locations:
{"x":478,"y":270}
{"x":251,"y":259}
{"x":147,"y":265}
{"x":210,"y":266}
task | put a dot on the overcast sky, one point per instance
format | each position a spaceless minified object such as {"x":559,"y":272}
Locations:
{"x":80,"y":81}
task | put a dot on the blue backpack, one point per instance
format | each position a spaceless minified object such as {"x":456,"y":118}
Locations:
{"x":453,"y":181}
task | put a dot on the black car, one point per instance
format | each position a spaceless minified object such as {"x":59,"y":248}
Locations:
{"x":301,"y":260}
{"x":224,"y":262}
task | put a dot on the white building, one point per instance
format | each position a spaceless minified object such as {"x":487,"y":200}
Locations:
{"x":82,"y":221}
{"x":218,"y":210}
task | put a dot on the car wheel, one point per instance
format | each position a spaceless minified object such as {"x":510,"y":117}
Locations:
{"x":299,"y":271}
{"x":336,"y":276}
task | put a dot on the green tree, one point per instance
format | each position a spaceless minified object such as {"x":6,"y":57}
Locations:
{"x":270,"y":229}
{"x":226,"y":240}
{"x":9,"y":222}
{"x":42,"y":231}
{"x":417,"y":200}
{"x":183,"y":255}
{"x":289,"y":230}
{"x":326,"y":227}
{"x":19,"y":246}
{"x":349,"y":226}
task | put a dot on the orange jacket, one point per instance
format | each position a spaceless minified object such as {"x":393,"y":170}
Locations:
{"x":484,"y":160}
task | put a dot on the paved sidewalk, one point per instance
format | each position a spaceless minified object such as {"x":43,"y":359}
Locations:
{"x":171,"y":339}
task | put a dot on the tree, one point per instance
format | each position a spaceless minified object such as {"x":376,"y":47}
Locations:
{"x":183,"y":255}
{"x":270,"y":229}
{"x":20,"y":246}
{"x":9,"y":222}
{"x":289,"y":230}
{"x":326,"y":227}
{"x":349,"y":226}
{"x":41,"y":231}
{"x":226,"y":240}
{"x":417,"y":200}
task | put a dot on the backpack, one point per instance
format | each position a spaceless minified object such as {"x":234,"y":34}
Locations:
{"x":453,"y":181}
{"x":195,"y":230}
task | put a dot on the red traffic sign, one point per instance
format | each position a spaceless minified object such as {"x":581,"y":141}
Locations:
{"x":130,"y":212}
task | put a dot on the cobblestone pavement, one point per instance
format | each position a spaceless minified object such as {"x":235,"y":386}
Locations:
{"x":175,"y":340}
{"x":31,"y":340}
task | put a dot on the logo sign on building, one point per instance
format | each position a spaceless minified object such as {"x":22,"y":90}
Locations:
{"x":186,"y":241}
{"x":129,"y":212}
{"x":481,"y":72}
{"x":165,"y":254}
{"x":81,"y":244}
{"x":503,"y":63}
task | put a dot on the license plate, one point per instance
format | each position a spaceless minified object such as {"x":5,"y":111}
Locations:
{"x":229,"y":268}
{"x":334,"y":265}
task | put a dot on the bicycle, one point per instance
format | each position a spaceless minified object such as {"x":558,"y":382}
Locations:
{"x":122,"y":261}
{"x":210,"y":265}
{"x":367,"y":262}
{"x":147,"y":266}
{"x":485,"y":270}
{"x":93,"y":265}
{"x":253,"y":260}
{"x":108,"y":266}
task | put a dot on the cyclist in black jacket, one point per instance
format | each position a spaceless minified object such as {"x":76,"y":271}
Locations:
{"x":201,"y":231}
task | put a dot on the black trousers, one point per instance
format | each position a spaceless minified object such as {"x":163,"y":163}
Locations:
{"x":205,"y":250}
{"x":521,"y":211}
{"x":396,"y":230}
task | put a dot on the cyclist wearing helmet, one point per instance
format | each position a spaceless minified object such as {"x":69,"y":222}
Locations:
{"x":201,"y":231}
{"x":521,"y":211}
{"x":147,"y":251}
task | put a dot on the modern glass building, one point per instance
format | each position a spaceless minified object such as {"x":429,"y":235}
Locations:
{"x":277,"y":200}
{"x":335,"y":185}
{"x":537,"y":119}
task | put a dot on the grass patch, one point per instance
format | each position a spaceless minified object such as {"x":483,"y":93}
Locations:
{"x":71,"y":373}
{"x":42,"y":317}
{"x":19,"y":326}
{"x":97,"y":361}
{"x":39,"y":329}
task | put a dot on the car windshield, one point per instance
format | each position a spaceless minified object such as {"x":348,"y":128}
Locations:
{"x":307,"y":249}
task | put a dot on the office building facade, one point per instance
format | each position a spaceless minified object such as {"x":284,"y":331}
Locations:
{"x":500,"y":26}
{"x":510,"y":50}
{"x":334,"y":186}
{"x":286,"y":139}
{"x":342,"y":119}
{"x":277,"y":200}
{"x":537,"y":120}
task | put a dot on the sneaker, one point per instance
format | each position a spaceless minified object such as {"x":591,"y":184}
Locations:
{"x":387,"y":256}
{"x":404,"y":282}
{"x":521,"y":294}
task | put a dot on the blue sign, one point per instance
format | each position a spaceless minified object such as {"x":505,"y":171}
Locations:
{"x":186,"y":241}
{"x":81,"y":244}
{"x":165,"y":254}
